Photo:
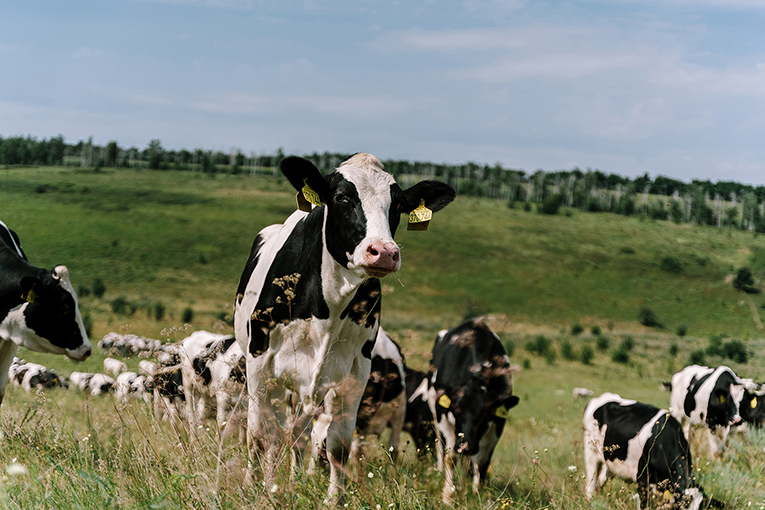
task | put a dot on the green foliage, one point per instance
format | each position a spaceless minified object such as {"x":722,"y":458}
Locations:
{"x":697,"y":357}
{"x":83,"y":291}
{"x":595,"y":330}
{"x":627,"y":249}
{"x":673,"y":349}
{"x":627,"y":344}
{"x":550,"y":355}
{"x":159,"y":311}
{"x":736,"y":351}
{"x":647,"y":317}
{"x":99,"y":288}
{"x":715,"y":347}
{"x":509,"y":346}
{"x":541,"y":345}
{"x":551,"y":205}
{"x":187,"y":315}
{"x":621,"y":355}
{"x":567,"y":351}
{"x":527,"y":206}
{"x":671,"y":265}
{"x":576,"y":329}
{"x":586,"y":355}
{"x":602,"y":343}
{"x":743,"y":279}
{"x":87,"y":321}
{"x":682,"y":330}
{"x":526,"y":363}
{"x":122,"y":306}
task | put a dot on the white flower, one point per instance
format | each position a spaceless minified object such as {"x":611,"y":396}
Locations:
{"x":370,"y":475}
{"x":274,"y":488}
{"x":572,"y":469}
{"x":15,"y":469}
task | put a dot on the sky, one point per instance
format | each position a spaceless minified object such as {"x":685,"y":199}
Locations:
{"x":671,"y":87}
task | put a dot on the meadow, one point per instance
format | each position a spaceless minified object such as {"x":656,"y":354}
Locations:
{"x":170,"y":246}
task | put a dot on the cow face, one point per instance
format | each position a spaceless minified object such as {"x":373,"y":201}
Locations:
{"x":722,"y":408}
{"x":52,"y":316}
{"x":363,"y":209}
{"x":752,"y":408}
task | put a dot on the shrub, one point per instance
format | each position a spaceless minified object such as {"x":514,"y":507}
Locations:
{"x":98,"y":288}
{"x":526,"y":364}
{"x":567,"y":351}
{"x":586,"y":355}
{"x":736,"y":351}
{"x":159,"y":310}
{"x":552,"y":204}
{"x":673,"y":348}
{"x":715,"y":347}
{"x":187,"y":315}
{"x":671,"y":265}
{"x":87,"y":321}
{"x":540,"y":345}
{"x":121,"y":306}
{"x":527,"y":206}
{"x":682,"y":330}
{"x":83,"y":291}
{"x":602,"y":343}
{"x":509,"y":347}
{"x":743,"y":278}
{"x":621,"y":355}
{"x":648,"y":318}
{"x":576,"y":329}
{"x":550,"y":356}
{"x":627,"y":249}
{"x":627,"y":344}
{"x":697,"y":358}
{"x":595,"y":330}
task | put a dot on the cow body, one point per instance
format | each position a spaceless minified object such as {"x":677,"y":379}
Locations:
{"x":38,"y":308}
{"x":308,"y":302}
{"x":114,"y":366}
{"x":470,"y":392}
{"x":131,"y":384}
{"x":31,"y":376}
{"x":708,"y":397}
{"x":639,"y":443}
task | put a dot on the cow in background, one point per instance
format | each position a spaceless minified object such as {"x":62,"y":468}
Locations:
{"x":38,"y":308}
{"x":470,"y":392}
{"x":308,"y":303}
{"x":708,"y":397}
{"x":419,"y":419}
{"x":638,"y":443}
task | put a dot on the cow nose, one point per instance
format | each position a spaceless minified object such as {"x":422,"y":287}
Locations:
{"x":383,"y":255}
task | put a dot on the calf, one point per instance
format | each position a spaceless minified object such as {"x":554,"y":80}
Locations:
{"x":419,"y":419}
{"x":38,"y":308}
{"x":639,"y":443}
{"x":308,"y":302}
{"x":470,"y":392}
{"x":705,"y":396}
{"x":227,"y":385}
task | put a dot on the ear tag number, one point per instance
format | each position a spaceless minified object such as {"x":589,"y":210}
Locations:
{"x":501,"y":412}
{"x":306,"y":197}
{"x":753,"y":403}
{"x":29,"y":297}
{"x":444,"y":401}
{"x":419,"y":219}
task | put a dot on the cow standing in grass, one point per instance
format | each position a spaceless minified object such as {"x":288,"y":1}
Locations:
{"x":38,"y":308}
{"x":308,"y":302}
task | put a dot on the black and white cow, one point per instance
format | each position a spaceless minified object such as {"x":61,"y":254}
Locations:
{"x":308,"y":302}
{"x":31,"y":376}
{"x":131,"y":384}
{"x":470,"y":391}
{"x":709,"y":397}
{"x":165,"y":381}
{"x":93,"y":383}
{"x":751,"y":406}
{"x":419,"y":419}
{"x":38,"y":308}
{"x":639,"y":443}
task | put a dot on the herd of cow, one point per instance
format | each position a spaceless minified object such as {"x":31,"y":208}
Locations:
{"x":311,"y":368}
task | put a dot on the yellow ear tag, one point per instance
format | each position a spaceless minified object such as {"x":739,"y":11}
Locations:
{"x":419,"y":219}
{"x":721,"y":399}
{"x":501,"y":412}
{"x":444,"y":401}
{"x":306,"y":197}
{"x":29,"y":297}
{"x":753,"y":403}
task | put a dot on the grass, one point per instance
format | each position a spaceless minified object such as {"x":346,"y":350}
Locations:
{"x":181,"y":239}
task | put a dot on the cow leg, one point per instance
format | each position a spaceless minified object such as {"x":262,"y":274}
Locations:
{"x":397,"y":425}
{"x":318,"y":438}
{"x":594,"y":463}
{"x":449,"y":455}
{"x":7,"y":352}
{"x":717,"y":437}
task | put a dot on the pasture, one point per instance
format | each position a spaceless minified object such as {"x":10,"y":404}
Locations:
{"x":177,"y":241}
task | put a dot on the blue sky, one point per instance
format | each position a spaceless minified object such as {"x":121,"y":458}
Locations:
{"x":673,"y":87}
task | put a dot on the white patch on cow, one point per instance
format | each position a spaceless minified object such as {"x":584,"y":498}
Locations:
{"x":61,"y":273}
{"x":13,"y":241}
{"x":421,"y":391}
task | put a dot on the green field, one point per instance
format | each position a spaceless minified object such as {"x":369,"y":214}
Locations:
{"x":180,"y":240}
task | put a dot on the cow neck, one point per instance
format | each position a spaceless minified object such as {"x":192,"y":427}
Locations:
{"x":339,"y":284}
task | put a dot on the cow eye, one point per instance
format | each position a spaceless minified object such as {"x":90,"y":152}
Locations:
{"x":342,"y":198}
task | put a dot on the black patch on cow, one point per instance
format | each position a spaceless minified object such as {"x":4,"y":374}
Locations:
{"x":624,"y":422}
{"x":11,"y":240}
{"x":721,"y":408}
{"x":474,"y":372}
{"x":753,"y":414}
{"x":419,"y":419}
{"x":689,"y":405}
{"x":346,"y":221}
{"x":365,"y":307}
{"x":384,"y":385}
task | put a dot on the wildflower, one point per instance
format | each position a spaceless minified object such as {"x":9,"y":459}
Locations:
{"x":572,"y":469}
{"x":15,"y":469}
{"x":370,"y":475}
{"x":274,"y":488}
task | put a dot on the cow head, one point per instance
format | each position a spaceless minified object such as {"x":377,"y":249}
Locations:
{"x":722,"y":410}
{"x":752,"y":405}
{"x":363,"y":209}
{"x":52,"y":317}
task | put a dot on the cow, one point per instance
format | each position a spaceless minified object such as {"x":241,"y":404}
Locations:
{"x":751,"y":406}
{"x":581,"y":393}
{"x":638,"y":443}
{"x":95,"y":384}
{"x":419,"y":419}
{"x":38,"y":308}
{"x":131,"y":384}
{"x":308,"y":302}
{"x":227,"y":385}
{"x":114,"y":366}
{"x":709,"y":397}
{"x":165,"y":381}
{"x":31,"y":376}
{"x":469,"y":393}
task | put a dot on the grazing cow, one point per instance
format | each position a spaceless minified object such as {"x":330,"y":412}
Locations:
{"x":470,"y":392}
{"x":308,"y":302}
{"x":419,"y":419}
{"x":227,"y":385}
{"x":639,"y":443}
{"x":751,"y":405}
{"x":114,"y":366}
{"x":32,"y":375}
{"x":581,"y":393}
{"x":165,"y":382}
{"x":127,"y":345}
{"x":95,"y":384}
{"x":38,"y":308}
{"x":130,"y":384}
{"x":709,"y":397}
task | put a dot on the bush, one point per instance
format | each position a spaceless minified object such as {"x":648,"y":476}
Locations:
{"x":552,"y":204}
{"x":627,"y":249}
{"x":98,"y":288}
{"x":595,"y":330}
{"x":527,"y":206}
{"x":697,"y":358}
{"x":550,"y":356}
{"x":121,"y":306}
{"x":526,"y":364}
{"x":586,"y":355}
{"x":715,"y":347}
{"x":87,"y":321}
{"x":602,"y":343}
{"x":673,"y":348}
{"x":682,"y":330}
{"x":159,"y":310}
{"x":627,"y":344}
{"x":671,"y":265}
{"x":621,"y":355}
{"x":567,"y":351}
{"x":736,"y":351}
{"x":743,"y":278}
{"x":648,"y":318}
{"x":187,"y":315}
{"x":509,"y":347}
{"x":540,"y":345}
{"x":83,"y":291}
{"x":576,"y":329}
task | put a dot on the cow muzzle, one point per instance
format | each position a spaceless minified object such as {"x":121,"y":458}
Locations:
{"x":381,"y":259}
{"x":80,"y":354}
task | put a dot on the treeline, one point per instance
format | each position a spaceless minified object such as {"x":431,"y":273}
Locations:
{"x":723,"y":203}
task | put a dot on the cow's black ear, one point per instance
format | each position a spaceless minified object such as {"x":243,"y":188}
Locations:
{"x":436,"y":195}
{"x":301,"y":172}
{"x":31,"y":286}
{"x":512,"y":401}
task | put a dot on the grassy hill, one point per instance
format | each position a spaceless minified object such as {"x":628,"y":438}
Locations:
{"x":180,"y":240}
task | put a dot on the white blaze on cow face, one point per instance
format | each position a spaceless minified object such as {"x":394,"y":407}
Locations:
{"x":377,"y":255}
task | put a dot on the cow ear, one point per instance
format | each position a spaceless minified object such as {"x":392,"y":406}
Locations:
{"x":435,"y":194}
{"x":30,"y":287}
{"x":301,"y":172}
{"x":512,"y":401}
